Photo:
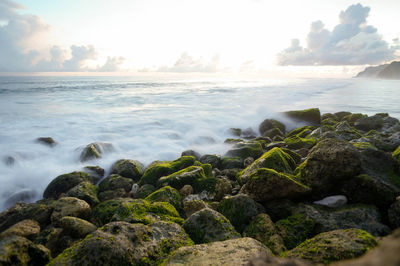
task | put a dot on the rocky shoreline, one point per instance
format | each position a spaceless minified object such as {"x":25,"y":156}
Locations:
{"x":326,"y":191}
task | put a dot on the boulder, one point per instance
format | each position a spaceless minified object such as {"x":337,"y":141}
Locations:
{"x":245,"y":149}
{"x":76,"y":227}
{"x":239,"y":209}
{"x":166,"y":194}
{"x":295,"y":229}
{"x":95,"y":150}
{"x":63,"y":183}
{"x":369,"y":123}
{"x":96,"y":172}
{"x":193,"y":205}
{"x":85,"y":191}
{"x":114,"y":182}
{"x":113,"y":194}
{"x":121,"y":243}
{"x":27,"y":228}
{"x":268,"y":124}
{"x":69,"y":206}
{"x":128,"y":168}
{"x":263,"y":229}
{"x":229,"y":252}
{"x":296,"y":142}
{"x":193,"y":153}
{"x":333,"y":246}
{"x":47,"y":141}
{"x":186,"y":190}
{"x":213,"y":159}
{"x":144,"y":191}
{"x":207,"y":225}
{"x":310,"y":116}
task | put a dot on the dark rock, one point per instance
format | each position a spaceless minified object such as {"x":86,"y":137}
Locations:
{"x":213,"y":159}
{"x":245,"y":149}
{"x":96,"y":172}
{"x":128,"y":168}
{"x":76,"y":227}
{"x":85,"y":191}
{"x":295,"y":229}
{"x":63,"y":183}
{"x":144,"y":191}
{"x":269,"y":124}
{"x":394,"y":214}
{"x":191,"y":153}
{"x":231,"y":162}
{"x":27,"y":228}
{"x":369,"y":123}
{"x":95,"y":150}
{"x":114,"y":182}
{"x":9,"y":160}
{"x":47,"y":141}
{"x":312,"y":116}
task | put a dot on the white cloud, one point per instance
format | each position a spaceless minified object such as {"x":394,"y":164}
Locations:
{"x":351,"y":42}
{"x":187,"y":63}
{"x":112,"y":64}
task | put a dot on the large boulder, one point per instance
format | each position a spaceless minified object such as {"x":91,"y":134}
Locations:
{"x":166,"y":194}
{"x":63,"y":183}
{"x":26,"y":228}
{"x":76,"y":227}
{"x":310,"y":116}
{"x":245,"y":149}
{"x":239,"y":210}
{"x":121,"y":243}
{"x":17,"y":250}
{"x":70,"y":206}
{"x":369,"y":123}
{"x":128,"y":168}
{"x":334,"y":245}
{"x":295,"y":229}
{"x":114,"y":182}
{"x":263,"y":229}
{"x":267,"y":184}
{"x":229,"y":252}
{"x":85,"y":191}
{"x":207,"y":225}
{"x":269,"y":124}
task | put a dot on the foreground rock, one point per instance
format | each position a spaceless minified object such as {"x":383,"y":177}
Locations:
{"x":230,"y":252}
{"x":121,"y":243}
{"x":26,"y":228}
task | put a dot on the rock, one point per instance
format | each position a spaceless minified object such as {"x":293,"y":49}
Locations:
{"x":95,"y":150}
{"x":96,"y":172}
{"x":248,"y":133}
{"x":264,"y":230}
{"x":245,"y":149}
{"x":387,"y":253}
{"x":9,"y":160}
{"x":208,"y":225}
{"x":275,"y":144}
{"x":113,"y":194}
{"x":276,"y":261}
{"x":76,"y":227}
{"x":248,"y":161}
{"x":17,"y":250}
{"x":328,"y":163}
{"x":365,"y":217}
{"x":39,"y":212}
{"x":272,"y":133}
{"x":121,"y":243}
{"x":296,"y":142}
{"x":27,"y":228}
{"x":267,"y":184}
{"x":369,"y":123}
{"x":54,"y":240}
{"x":332,"y":201}
{"x":144,"y":191}
{"x":69,"y":206}
{"x":85,"y":191}
{"x":23,"y":195}
{"x":301,"y":132}
{"x":134,"y":211}
{"x":63,"y":183}
{"x":275,"y":159}
{"x":114,"y":182}
{"x":166,"y":194}
{"x":235,"y":132}
{"x":193,"y":153}
{"x":334,"y":245}
{"x":341,"y":115}
{"x":311,"y":116}
{"x":231,"y":162}
{"x":128,"y":168}
{"x":191,"y":206}
{"x":47,"y":141}
{"x":396,"y":154}
{"x":394,"y":213}
{"x":158,"y":169}
{"x":230,"y":252}
{"x":186,"y":190}
{"x":213,"y":159}
{"x":268,"y":124}
{"x":295,"y":229}
{"x":239,"y":210}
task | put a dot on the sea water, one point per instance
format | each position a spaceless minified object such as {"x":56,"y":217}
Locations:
{"x":149,"y":119}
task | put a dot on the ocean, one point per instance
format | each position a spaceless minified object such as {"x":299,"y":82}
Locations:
{"x":149,"y":119}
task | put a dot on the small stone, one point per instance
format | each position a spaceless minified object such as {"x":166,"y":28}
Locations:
{"x":46,"y":141}
{"x":332,"y":201}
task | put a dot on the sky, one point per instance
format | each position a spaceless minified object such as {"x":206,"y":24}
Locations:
{"x":208,"y":36}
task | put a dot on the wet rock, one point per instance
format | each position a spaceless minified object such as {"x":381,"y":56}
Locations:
{"x":369,"y":123}
{"x":263,"y":229}
{"x":27,"y":228}
{"x":334,"y":245}
{"x":231,"y":162}
{"x":311,"y":116}
{"x":166,"y":194}
{"x":245,"y":149}
{"x":186,"y":190}
{"x":332,"y":201}
{"x":63,"y":183}
{"x":96,"y":172}
{"x":394,"y":213}
{"x":95,"y":150}
{"x":17,"y":250}
{"x":230,"y":252}
{"x":208,"y":225}
{"x":144,"y":191}
{"x":213,"y":159}
{"x":76,"y":227}
{"x":113,"y":194}
{"x":85,"y":191}
{"x":269,"y":124}
{"x":121,"y":243}
{"x":193,"y":153}
{"x":114,"y":182}
{"x":295,"y":229}
{"x":128,"y":168}
{"x":47,"y":141}
{"x":191,"y":206}
{"x":69,"y":206}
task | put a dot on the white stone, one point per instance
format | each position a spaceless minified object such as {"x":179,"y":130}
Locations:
{"x":332,"y":201}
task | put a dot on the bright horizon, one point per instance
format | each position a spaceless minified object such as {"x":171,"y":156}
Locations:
{"x":123,"y":37}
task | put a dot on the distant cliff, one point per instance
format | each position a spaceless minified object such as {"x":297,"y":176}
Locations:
{"x":386,"y":71}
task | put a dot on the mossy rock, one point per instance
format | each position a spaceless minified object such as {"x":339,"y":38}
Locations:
{"x":121,"y":243}
{"x":213,"y":159}
{"x":301,"y":132}
{"x":268,"y":124}
{"x":144,"y":191}
{"x":158,"y":169}
{"x":342,"y":114}
{"x":394,"y":214}
{"x":69,"y":206}
{"x":275,"y":159}
{"x":187,"y":176}
{"x":264,"y":230}
{"x":396,"y":154}
{"x":114,"y":182}
{"x":135,"y":211}
{"x":46,"y":141}
{"x":95,"y":150}
{"x":166,"y":194}
{"x":295,"y":229}
{"x":85,"y":191}
{"x":245,"y":149}
{"x":128,"y":168}
{"x":63,"y":183}
{"x":193,"y":205}
{"x":334,"y":245}
{"x":329,"y":122}
{"x":239,"y":209}
{"x":207,"y":225}
{"x":267,"y":184}
{"x":295,"y":156}
{"x":27,"y":228}
{"x":271,"y":133}
{"x":76,"y":227}
{"x":364,"y":146}
{"x":369,"y":123}
{"x":231,"y":162}
{"x":352,"y":118}
{"x":296,"y":142}
{"x":312,"y":115}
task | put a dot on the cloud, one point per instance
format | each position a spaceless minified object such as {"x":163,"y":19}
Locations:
{"x":351,"y":42}
{"x":112,"y":64}
{"x":187,"y":63}
{"x":20,"y":32}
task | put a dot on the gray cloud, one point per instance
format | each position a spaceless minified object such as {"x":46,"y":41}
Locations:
{"x":351,"y":42}
{"x":19,"y":32}
{"x":187,"y":63}
{"x":112,"y":64}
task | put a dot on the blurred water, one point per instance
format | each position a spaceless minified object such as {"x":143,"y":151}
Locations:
{"x":151,"y":119}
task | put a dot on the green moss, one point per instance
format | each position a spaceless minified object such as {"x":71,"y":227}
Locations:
{"x":158,"y":169}
{"x":207,"y":169}
{"x":329,"y":122}
{"x":166,"y":194}
{"x":295,"y":156}
{"x":85,"y":191}
{"x":352,"y":118}
{"x":231,"y":162}
{"x":295,"y":229}
{"x":63,"y":183}
{"x":396,"y":154}
{"x":187,"y":176}
{"x":312,"y":115}
{"x":246,"y":149}
{"x":300,"y":132}
{"x":364,"y":146}
{"x":296,"y":142}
